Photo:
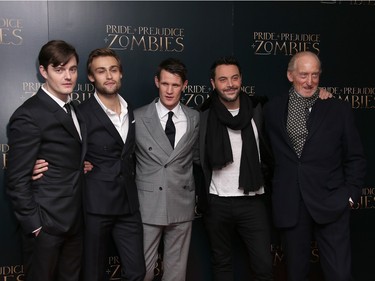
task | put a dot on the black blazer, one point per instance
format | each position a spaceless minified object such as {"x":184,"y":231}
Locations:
{"x":110,"y":186}
{"x":41,"y":129}
{"x":331,"y":168}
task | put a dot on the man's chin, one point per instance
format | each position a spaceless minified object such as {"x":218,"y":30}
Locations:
{"x":308,"y":93}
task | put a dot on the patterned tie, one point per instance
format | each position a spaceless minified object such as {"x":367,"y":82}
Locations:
{"x":170,"y":129}
{"x":298,"y":113}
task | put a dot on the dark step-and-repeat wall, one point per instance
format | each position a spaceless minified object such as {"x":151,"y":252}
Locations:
{"x":262,"y":35}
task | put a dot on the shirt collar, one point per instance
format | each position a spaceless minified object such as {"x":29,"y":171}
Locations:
{"x":163,"y":111}
{"x":57,"y":100}
{"x":123,"y":103}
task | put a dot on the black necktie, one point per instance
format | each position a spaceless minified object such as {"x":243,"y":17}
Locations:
{"x":68,"y":109}
{"x":170,"y":129}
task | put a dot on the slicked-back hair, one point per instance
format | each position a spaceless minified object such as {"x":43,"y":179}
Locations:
{"x":55,"y":53}
{"x":174,"y":66}
{"x":226,"y":60}
{"x":102,"y":52}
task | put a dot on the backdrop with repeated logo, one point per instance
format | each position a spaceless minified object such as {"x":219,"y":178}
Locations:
{"x":262,"y":35}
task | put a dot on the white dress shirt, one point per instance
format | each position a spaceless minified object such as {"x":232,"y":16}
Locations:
{"x":179,"y":119}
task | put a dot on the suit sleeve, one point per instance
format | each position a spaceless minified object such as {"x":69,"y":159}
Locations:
{"x":354,"y":159}
{"x":24,"y":141}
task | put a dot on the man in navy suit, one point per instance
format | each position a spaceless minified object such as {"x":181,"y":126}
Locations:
{"x":49,"y":209}
{"x":110,"y":195}
{"x":319,"y":172}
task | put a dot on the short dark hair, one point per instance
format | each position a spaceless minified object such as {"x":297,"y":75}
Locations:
{"x":102,"y":52}
{"x":56,"y":52}
{"x":227,"y":60}
{"x":174,"y":66}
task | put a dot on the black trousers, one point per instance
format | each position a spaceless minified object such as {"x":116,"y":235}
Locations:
{"x":127,"y":233}
{"x":49,"y":257}
{"x":334,"y":247}
{"x":248,"y":216}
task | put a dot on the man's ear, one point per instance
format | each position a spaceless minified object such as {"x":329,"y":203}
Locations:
{"x":212,"y":84}
{"x":156,"y":80}
{"x":91,"y":78}
{"x":43,"y":71}
{"x":290,"y":76}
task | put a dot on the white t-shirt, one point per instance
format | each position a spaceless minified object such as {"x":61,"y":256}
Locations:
{"x":224,"y":182}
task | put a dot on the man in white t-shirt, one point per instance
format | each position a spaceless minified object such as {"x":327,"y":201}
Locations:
{"x":233,"y":155}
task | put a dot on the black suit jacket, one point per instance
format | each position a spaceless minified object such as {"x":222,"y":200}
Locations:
{"x":330,"y":170}
{"x":41,"y":129}
{"x":110,"y":186}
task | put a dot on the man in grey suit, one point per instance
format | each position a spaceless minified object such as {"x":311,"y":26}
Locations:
{"x":166,"y":134}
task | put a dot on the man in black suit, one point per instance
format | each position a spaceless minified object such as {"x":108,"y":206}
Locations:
{"x":110,"y":197}
{"x":319,"y":172}
{"x":49,"y":209}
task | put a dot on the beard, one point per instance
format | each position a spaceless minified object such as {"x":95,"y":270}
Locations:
{"x":231,"y":98}
{"x":108,"y":91}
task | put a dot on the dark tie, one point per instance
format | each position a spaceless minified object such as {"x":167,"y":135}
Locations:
{"x":68,"y":109}
{"x":170,"y":129}
{"x":298,"y":114}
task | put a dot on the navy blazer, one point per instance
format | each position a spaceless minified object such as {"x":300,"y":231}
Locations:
{"x":330,"y":170}
{"x":110,"y":187}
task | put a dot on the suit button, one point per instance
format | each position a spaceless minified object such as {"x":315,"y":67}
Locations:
{"x":160,"y":188}
{"x":150,"y":148}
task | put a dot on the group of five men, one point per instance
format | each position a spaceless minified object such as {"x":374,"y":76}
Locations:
{"x":78,"y":175}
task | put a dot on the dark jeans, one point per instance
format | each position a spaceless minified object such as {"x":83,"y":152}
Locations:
{"x":248,"y":216}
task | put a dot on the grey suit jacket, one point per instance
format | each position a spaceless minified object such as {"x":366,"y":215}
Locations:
{"x":164,"y":176}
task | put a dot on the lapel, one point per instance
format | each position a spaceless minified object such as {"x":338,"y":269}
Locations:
{"x":65,"y":120}
{"x":282,"y":119}
{"x":102,"y":117}
{"x":151,"y":122}
{"x":130,"y":138}
{"x":258,"y":117}
{"x":83,"y":128}
{"x":317,"y":116}
{"x":181,"y":145}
